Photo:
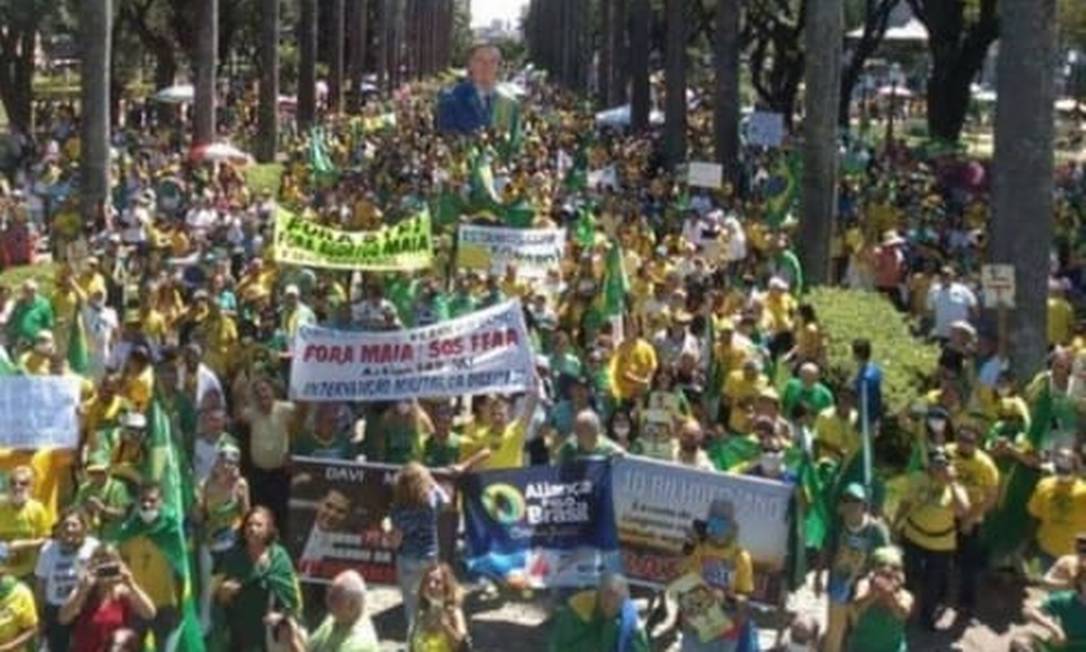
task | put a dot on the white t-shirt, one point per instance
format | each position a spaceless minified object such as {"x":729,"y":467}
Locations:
{"x":60,"y":570}
{"x":950,"y":304}
{"x":204,"y":454}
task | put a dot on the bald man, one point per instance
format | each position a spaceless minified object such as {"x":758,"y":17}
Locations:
{"x":346,"y":628}
{"x":588,"y":441}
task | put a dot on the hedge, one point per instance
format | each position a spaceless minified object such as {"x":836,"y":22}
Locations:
{"x":908,"y":364}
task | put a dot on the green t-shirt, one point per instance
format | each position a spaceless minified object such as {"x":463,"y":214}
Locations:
{"x":329,"y":637}
{"x":436,"y":454}
{"x":852,"y":556}
{"x":569,"y":451}
{"x":817,"y":397}
{"x":878,"y":630}
{"x":114,"y":495}
{"x":339,"y":447}
{"x":1070,"y":613}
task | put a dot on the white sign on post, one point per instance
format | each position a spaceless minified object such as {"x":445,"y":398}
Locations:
{"x":997,"y":281}
{"x":702,"y":174}
{"x":765,"y":129}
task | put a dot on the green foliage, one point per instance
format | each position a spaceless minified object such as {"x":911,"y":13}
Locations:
{"x":907,"y":362}
{"x":43,"y":273}
{"x":264,"y":178}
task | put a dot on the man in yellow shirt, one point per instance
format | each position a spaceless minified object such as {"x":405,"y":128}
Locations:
{"x":18,"y":615}
{"x":1061,"y":316}
{"x":835,"y":428}
{"x":24,"y":525}
{"x":149,"y":565}
{"x":1059,"y":503}
{"x":926,"y":518}
{"x":740,"y":388}
{"x":633,"y":363}
{"x":499,"y":443}
{"x":980,"y":477}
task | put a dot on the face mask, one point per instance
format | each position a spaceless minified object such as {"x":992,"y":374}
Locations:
{"x":771,"y":461}
{"x":1003,"y":392}
{"x":586,"y":286}
{"x":718,"y":528}
{"x":937,"y":425}
{"x":18,"y":497}
{"x":622,"y":431}
{"x":797,"y":647}
{"x":403,"y":409}
{"x":688,"y":446}
{"x":148,"y":515}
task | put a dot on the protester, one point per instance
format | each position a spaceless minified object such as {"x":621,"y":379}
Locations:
{"x":600,"y":619}
{"x":24,"y":525}
{"x":439,"y":623}
{"x":416,"y":502}
{"x":255,"y":577}
{"x":1058,"y":505}
{"x":222,"y":501}
{"x":347,"y":628}
{"x":106,"y":599}
{"x":63,"y":560}
{"x":1063,"y":614}
{"x":881,"y":606}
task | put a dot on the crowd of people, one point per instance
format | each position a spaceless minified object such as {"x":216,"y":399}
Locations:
{"x":185,"y":310}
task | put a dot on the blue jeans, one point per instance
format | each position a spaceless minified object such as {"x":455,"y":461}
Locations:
{"x":409,"y":572}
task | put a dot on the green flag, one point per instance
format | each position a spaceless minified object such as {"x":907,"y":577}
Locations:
{"x":7,"y":366}
{"x":783,"y":191}
{"x":731,"y":452}
{"x":615,"y":284}
{"x":78,"y":353}
{"x":319,"y":162}
{"x":482,"y":197}
{"x":584,"y":229}
{"x":164,"y":467}
{"x":577,"y":175}
{"x":519,"y":213}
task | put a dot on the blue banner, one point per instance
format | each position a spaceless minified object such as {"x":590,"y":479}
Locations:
{"x":542,"y":526}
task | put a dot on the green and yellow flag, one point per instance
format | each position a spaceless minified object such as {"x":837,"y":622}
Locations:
{"x":78,"y":352}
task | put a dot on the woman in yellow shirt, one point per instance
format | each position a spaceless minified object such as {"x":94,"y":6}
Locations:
{"x":138,"y":381}
{"x":633,"y":364}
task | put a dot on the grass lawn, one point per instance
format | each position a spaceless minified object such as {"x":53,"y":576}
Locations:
{"x":264,"y":178}
{"x":43,"y":273}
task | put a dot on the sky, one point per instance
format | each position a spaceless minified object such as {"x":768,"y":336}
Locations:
{"x":485,"y":11}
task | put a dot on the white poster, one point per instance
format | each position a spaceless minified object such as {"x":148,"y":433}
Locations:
{"x":702,"y":174}
{"x":490,"y":248}
{"x":486,"y":352}
{"x":39,"y":412}
{"x":765,"y":129}
{"x":658,"y":505}
{"x":997,"y":281}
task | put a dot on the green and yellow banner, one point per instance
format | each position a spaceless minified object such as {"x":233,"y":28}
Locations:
{"x":405,"y":246}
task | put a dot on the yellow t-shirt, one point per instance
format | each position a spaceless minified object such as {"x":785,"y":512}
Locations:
{"x":779,"y":309}
{"x":638,"y":359}
{"x":91,"y":282}
{"x":18,"y":613}
{"x":1061,"y":319}
{"x":506,"y":449}
{"x":978,"y":474}
{"x":838,"y":436}
{"x":270,"y":441}
{"x":137,"y":389}
{"x":1061,"y":509}
{"x":808,"y":342}
{"x":930,"y":523}
{"x":151,"y":570}
{"x":737,"y":388}
{"x":34,"y":363}
{"x":31,"y":521}
{"x":728,"y":568}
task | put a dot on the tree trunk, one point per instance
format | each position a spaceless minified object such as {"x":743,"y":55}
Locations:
{"x":207,"y":55}
{"x":359,"y":41}
{"x":675,"y":82}
{"x":604,"y":67}
{"x":16,"y":75}
{"x":948,"y":99}
{"x":95,"y":42}
{"x":581,"y":48}
{"x":620,"y":74}
{"x":727,"y":87}
{"x":382,"y":43}
{"x":1022,"y":203}
{"x":307,"y":64}
{"x":395,"y":57}
{"x":335,"y":82}
{"x":823,"y":37}
{"x":641,"y":104}
{"x":876,"y":20}
{"x":268,"y":109}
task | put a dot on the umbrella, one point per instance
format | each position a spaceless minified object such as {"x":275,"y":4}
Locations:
{"x":220,"y":152}
{"x":180,"y":94}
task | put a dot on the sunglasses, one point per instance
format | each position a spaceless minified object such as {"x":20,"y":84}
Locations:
{"x":20,"y":483}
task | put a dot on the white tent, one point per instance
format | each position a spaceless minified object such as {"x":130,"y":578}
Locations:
{"x":180,"y":94}
{"x":912,"y":31}
{"x":620,"y":117}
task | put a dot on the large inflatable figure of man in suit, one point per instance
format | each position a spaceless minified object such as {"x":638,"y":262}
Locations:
{"x":477,"y":103}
